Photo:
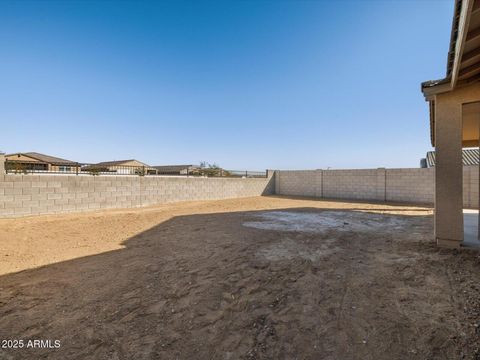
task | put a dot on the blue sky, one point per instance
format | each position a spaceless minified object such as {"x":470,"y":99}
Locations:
{"x":245,"y":84}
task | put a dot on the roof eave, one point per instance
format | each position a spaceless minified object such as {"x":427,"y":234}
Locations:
{"x":435,"y":87}
{"x":460,"y":24}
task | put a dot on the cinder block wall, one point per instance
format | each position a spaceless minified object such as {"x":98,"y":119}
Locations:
{"x":399,"y":185}
{"x":22,"y":195}
{"x":297,"y":182}
{"x":354,"y":184}
{"x":410,"y":185}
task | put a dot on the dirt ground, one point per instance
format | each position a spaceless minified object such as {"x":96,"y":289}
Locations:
{"x":254,"y":278}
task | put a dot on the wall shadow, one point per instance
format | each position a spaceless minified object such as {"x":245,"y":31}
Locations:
{"x":270,"y":186}
{"x":413,"y":206}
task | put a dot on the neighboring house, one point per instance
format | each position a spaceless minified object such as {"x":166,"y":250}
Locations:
{"x":470,"y":157}
{"x":122,"y":167}
{"x":175,"y":169}
{"x":36,"y":162}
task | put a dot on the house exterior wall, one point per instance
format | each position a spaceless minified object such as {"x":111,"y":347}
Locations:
{"x":129,"y":168}
{"x":23,"y":195}
{"x":132,"y":163}
{"x":470,"y":187}
{"x":19,"y":158}
{"x":56,"y":168}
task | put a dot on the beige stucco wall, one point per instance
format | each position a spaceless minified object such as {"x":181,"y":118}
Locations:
{"x":56,"y":168}
{"x":27,"y":159}
{"x":470,"y":187}
{"x":22,"y":195}
{"x":398,"y":185}
{"x":132,"y":163}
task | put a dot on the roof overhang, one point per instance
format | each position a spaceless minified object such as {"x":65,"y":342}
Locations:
{"x":462,"y":33}
{"x":463,"y":62}
{"x":40,"y":160}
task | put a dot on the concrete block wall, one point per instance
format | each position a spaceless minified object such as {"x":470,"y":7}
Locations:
{"x":361,"y":184}
{"x":399,"y":185}
{"x":298,"y":182}
{"x":22,"y":195}
{"x":354,"y":184}
{"x":410,"y":185}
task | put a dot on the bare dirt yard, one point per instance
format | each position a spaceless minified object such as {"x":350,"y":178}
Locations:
{"x":254,"y":278}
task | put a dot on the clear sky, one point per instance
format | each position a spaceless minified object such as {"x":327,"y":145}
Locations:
{"x":246,"y":84}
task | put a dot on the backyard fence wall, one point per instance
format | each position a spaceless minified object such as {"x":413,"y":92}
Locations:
{"x":22,"y":195}
{"x":398,"y":185}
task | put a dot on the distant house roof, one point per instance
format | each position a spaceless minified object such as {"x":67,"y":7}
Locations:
{"x":119,"y":162}
{"x":173,"y":168}
{"x":469,"y":157}
{"x":44,"y":158}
